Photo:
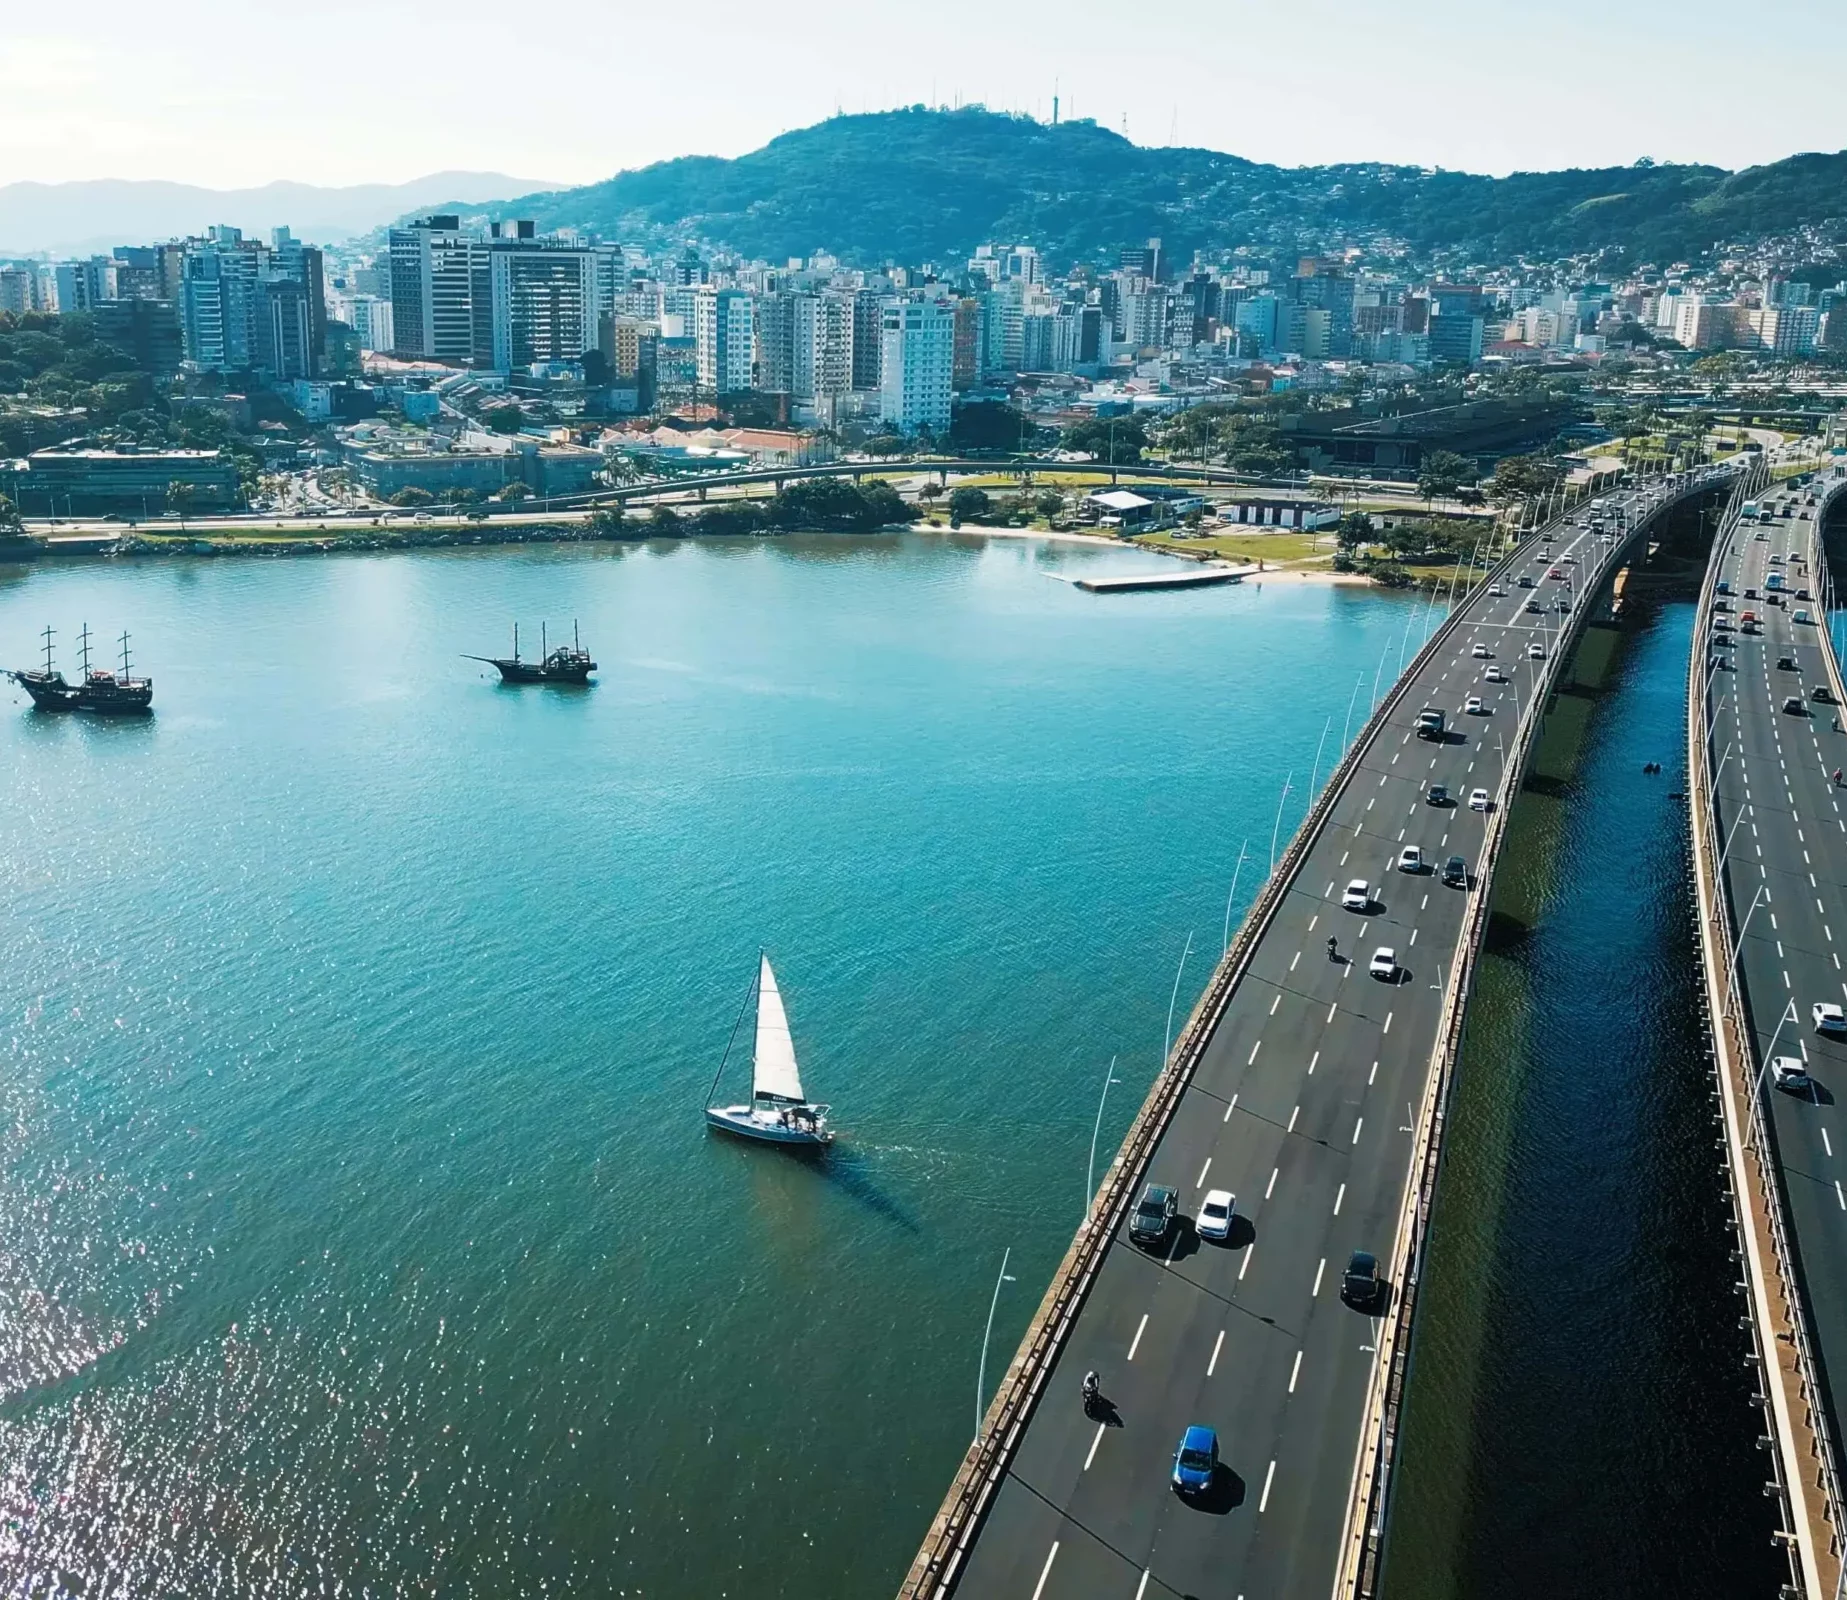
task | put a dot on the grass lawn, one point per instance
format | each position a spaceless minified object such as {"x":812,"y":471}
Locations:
{"x":1274,"y":548}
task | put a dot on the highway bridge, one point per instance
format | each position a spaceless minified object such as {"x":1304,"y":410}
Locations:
{"x":1770,"y":851}
{"x":1315,"y":1092}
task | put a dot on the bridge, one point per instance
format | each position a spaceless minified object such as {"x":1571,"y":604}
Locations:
{"x":1770,"y":858}
{"x":1315,"y":1092}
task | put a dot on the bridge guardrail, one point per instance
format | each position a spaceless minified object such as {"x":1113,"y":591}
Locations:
{"x":1362,"y":1545}
{"x":938,"y":1563}
{"x":1792,"y":1396}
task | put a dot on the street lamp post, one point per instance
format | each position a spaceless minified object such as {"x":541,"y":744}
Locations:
{"x":1173,"y":999}
{"x":1090,"y":1180}
{"x":1276,"y":827}
{"x":981,"y":1376}
{"x":1230,"y":895}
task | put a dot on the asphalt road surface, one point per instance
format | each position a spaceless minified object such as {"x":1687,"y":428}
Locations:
{"x":1303,"y":1107}
{"x":1785,"y":866}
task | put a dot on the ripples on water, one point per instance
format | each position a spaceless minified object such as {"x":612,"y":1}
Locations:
{"x":358,"y":1231}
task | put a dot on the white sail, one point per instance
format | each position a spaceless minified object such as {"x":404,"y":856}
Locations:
{"x":775,"y":1071}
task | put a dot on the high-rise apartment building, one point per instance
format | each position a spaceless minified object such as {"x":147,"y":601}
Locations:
{"x":249,"y":307}
{"x":868,"y":325}
{"x":969,"y":324}
{"x":916,"y":364}
{"x":442,"y":296}
{"x":543,"y":300}
{"x":724,"y":336}
{"x":372,"y":322}
{"x":19,"y":290}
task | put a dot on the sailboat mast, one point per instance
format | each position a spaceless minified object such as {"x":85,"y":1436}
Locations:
{"x":124,"y":655}
{"x":83,"y":650}
{"x":48,"y":649}
{"x":736,"y":1023}
{"x":516,"y":641}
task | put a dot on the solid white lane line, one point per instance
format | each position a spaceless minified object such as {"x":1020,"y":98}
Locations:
{"x":1045,"y":1571}
{"x":1315,"y":1293}
{"x":1199,"y":1182}
{"x":1218,"y":1344}
{"x":1090,"y":1455}
{"x":1262,"y":1502}
{"x":1140,"y":1328}
{"x":1342,"y":1195}
{"x":1270,"y":1187}
{"x":1295,"y":1371}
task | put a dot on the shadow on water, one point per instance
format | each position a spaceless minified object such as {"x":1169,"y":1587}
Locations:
{"x":852,"y":1176}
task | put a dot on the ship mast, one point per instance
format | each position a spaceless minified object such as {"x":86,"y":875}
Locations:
{"x":83,"y":648}
{"x":125,"y":655}
{"x":48,"y":649}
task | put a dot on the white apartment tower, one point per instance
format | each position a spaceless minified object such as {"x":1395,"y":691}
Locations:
{"x":916,"y":364}
{"x":723,"y":335}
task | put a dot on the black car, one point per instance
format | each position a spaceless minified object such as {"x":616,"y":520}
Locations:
{"x":1154,"y":1215}
{"x":1361,"y":1286}
{"x":1437,"y":795}
{"x":1794,"y":706}
{"x":1787,"y":664}
{"x":1456,"y":873}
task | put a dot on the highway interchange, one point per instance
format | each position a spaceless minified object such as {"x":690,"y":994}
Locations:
{"x":1782,"y":821}
{"x":1304,"y":1105}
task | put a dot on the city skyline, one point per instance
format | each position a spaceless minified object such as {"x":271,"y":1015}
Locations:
{"x":232,"y":98}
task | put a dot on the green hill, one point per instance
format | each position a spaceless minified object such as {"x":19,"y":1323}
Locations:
{"x":923,"y":185}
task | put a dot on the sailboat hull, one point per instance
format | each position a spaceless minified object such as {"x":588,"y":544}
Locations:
{"x":767,"y":1127}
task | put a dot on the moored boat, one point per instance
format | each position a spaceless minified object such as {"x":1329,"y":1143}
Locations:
{"x":569,"y":663}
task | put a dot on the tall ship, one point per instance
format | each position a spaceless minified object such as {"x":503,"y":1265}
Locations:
{"x":778,"y":1112}
{"x":97,"y":690}
{"x":568,"y":663}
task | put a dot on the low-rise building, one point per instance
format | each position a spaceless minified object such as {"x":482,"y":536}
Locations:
{"x":387,"y":461}
{"x":124,"y":481}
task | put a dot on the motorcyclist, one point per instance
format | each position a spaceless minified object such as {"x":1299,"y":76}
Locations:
{"x":1093,"y":1386}
{"x":1333,"y":948}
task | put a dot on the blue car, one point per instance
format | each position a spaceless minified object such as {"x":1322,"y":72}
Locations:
{"x":1196,"y":1462}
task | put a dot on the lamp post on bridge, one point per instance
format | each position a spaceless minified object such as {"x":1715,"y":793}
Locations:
{"x":981,"y":1376}
{"x":1090,"y":1181}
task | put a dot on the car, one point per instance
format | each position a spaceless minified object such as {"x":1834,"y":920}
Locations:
{"x":1474,"y":706}
{"x":1437,"y":795}
{"x":1479,"y":801}
{"x":1411,"y":859}
{"x":1384,"y":964}
{"x":1496,"y":590}
{"x":1358,"y":896}
{"x":1196,"y":1462}
{"x":1564,"y":605}
{"x":1456,"y":873}
{"x":1803,"y":594}
{"x":1215,"y":1213}
{"x":1787,"y":664}
{"x":1526,"y":581}
{"x":1821,"y":694}
{"x":1750,"y":594}
{"x":1535,"y":652}
{"x":1776,"y":558}
{"x":1534,"y":608}
{"x":1795,"y":707}
{"x":1788,"y":1072}
{"x":1801,"y":615}
{"x":1360,"y":1284}
{"x":1482,"y":653}
{"x":1722,"y":624}
{"x":1494,"y":675}
{"x":1828,"y":1017}
{"x":1760,"y":536}
{"x":1154,"y":1215}
{"x":1721,"y":604}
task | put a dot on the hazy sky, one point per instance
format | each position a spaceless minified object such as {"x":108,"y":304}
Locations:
{"x":234,"y":92}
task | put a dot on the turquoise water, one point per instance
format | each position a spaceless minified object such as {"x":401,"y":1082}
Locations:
{"x":358,"y":1230}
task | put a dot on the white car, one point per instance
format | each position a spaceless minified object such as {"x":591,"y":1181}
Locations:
{"x":1411,"y":859}
{"x":1215,"y":1214}
{"x":1482,"y":653}
{"x":1474,"y":706}
{"x":1479,"y":801}
{"x":1787,"y":1072}
{"x":1384,"y":964}
{"x":1496,"y":590}
{"x":1828,"y":1017}
{"x":1494,"y":675}
{"x":1358,"y":896}
{"x":1535,"y":652}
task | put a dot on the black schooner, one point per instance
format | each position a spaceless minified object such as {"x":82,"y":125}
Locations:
{"x":569,"y":663}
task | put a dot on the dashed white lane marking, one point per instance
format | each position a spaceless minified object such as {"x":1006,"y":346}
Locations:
{"x":1311,"y":1063}
{"x":1295,"y":1371}
{"x":1135,"y":1343}
{"x":1270,"y":1187}
{"x":1249,"y":1251}
{"x":1340,"y":1195}
{"x":1254,"y":1049}
{"x":1292,"y":1116}
{"x":1218,"y":1344}
{"x":1142,"y":1587}
{"x":1090,"y":1455}
{"x":1388,"y":1024}
{"x":1200,"y":1181}
{"x":1045,"y":1571}
{"x":1315,"y":1293}
{"x":1356,"y":1129}
{"x":1838,"y":1195}
{"x":1262,"y":1501}
{"x":1332,"y":1009}
{"x":1276,"y":1002}
{"x":1230,"y":1106}
{"x":1373,"y":1074}
{"x":1826,"y":1144}
{"x":1294,"y":959}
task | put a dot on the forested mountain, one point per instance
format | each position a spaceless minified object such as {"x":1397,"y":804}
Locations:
{"x":922,"y":185}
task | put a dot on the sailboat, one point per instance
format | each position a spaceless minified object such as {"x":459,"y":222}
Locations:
{"x":778,"y":1113}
